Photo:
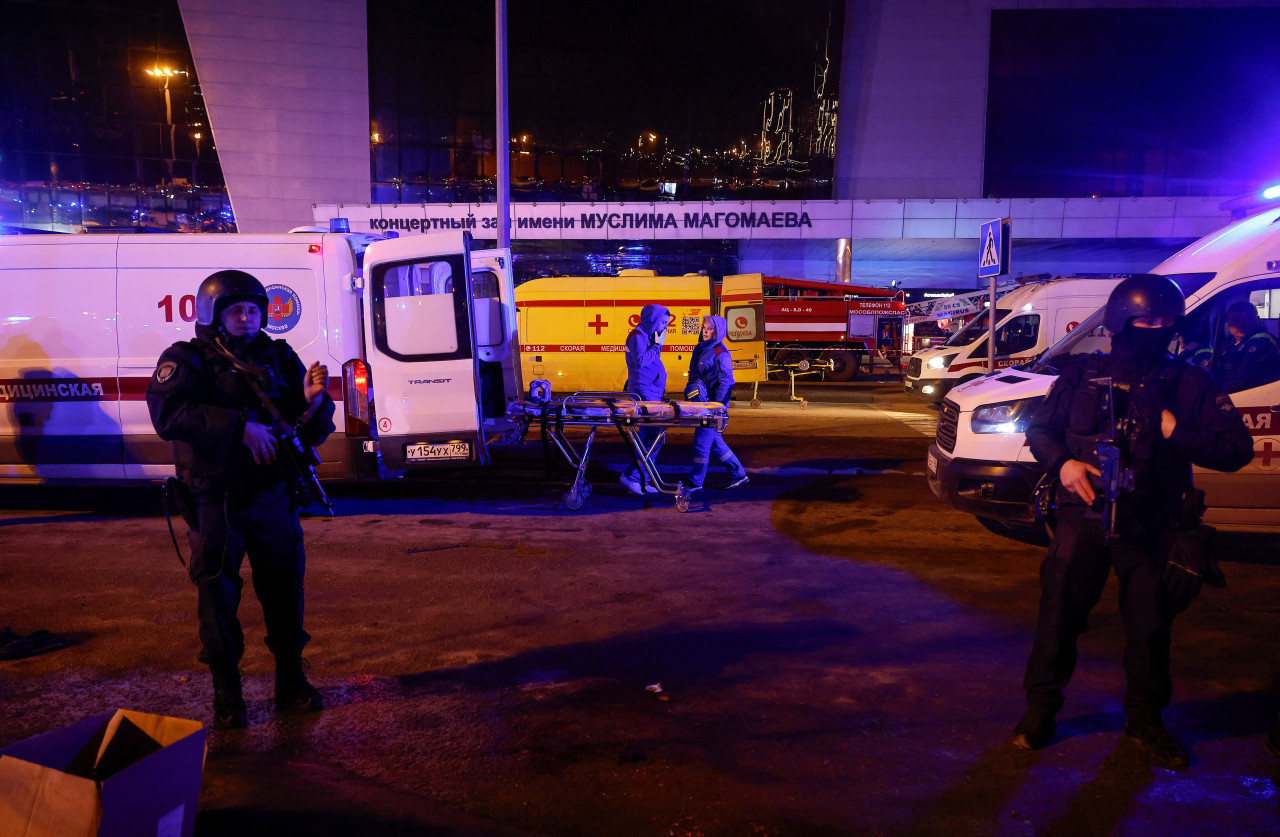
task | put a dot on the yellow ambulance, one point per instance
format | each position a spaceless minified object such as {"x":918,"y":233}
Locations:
{"x":573,"y":329}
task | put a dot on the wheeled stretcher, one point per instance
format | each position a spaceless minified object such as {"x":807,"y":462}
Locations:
{"x":629,"y":415}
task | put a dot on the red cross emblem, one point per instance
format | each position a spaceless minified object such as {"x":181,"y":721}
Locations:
{"x":1265,"y":453}
{"x":598,"y":324}
{"x":279,"y":308}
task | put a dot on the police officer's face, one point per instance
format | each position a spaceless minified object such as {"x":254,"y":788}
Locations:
{"x":244,"y":319}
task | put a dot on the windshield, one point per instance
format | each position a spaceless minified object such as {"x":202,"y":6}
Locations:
{"x":975,"y":329}
{"x":1090,"y":337}
{"x":1085,"y":339}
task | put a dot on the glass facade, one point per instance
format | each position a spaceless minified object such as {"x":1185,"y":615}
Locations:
{"x":101,"y":119}
{"x":1132,"y":102}
{"x":665,"y":101}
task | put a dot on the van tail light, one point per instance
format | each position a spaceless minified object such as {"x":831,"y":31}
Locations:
{"x":357,"y":397}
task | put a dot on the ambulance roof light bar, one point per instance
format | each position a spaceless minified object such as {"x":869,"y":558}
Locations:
{"x":1252,"y":202}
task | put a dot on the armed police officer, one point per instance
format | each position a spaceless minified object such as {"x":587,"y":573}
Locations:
{"x":1120,"y":432}
{"x":209,"y":396}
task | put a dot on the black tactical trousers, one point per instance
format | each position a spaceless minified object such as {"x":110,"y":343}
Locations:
{"x":1072,"y":578}
{"x":265,"y":526}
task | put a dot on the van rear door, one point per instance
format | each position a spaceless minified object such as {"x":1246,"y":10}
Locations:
{"x":742,"y":306}
{"x":497,"y":340}
{"x":421,"y":348}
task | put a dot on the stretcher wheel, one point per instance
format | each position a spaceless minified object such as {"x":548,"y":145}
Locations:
{"x":585,"y":490}
{"x":573,"y":500}
{"x":682,"y":503}
{"x":804,"y":405}
{"x":755,"y":402}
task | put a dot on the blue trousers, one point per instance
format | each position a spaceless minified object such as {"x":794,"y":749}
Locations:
{"x":705,"y":441}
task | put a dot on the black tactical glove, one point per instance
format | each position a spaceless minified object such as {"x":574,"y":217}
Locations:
{"x":1191,"y":564}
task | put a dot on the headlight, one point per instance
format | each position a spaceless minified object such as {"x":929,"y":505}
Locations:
{"x":941,"y":362}
{"x":1006,"y":417}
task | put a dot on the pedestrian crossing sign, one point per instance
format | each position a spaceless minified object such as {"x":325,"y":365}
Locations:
{"x":993,"y":253}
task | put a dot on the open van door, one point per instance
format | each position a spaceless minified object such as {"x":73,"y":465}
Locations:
{"x":420,"y":342}
{"x":742,"y":306}
{"x":497,"y":341}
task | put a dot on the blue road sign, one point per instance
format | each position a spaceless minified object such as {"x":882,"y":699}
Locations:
{"x":993,"y":250}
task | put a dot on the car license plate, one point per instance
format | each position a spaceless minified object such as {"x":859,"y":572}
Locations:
{"x":437,"y":452}
{"x":933,"y":465}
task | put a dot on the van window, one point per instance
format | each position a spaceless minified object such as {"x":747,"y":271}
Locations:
{"x":488,"y":308}
{"x":1018,"y":335}
{"x":976,"y":329}
{"x":420,"y":311}
{"x":1189,"y":283}
{"x":1244,"y":327}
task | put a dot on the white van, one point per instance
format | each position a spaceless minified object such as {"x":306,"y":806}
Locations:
{"x":419,"y":335}
{"x":1029,"y":320}
{"x":980,"y":462}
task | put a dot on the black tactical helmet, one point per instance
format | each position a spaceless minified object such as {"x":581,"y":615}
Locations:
{"x":227,"y":287}
{"x":1143,"y":295}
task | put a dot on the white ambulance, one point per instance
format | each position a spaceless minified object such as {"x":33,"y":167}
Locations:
{"x":419,"y":334}
{"x":1029,"y":320}
{"x":980,"y":462}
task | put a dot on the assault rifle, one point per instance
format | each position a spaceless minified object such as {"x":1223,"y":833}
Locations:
{"x":301,"y":460}
{"x":1116,"y":477}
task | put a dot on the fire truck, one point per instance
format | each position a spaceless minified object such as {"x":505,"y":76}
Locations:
{"x":842,"y":327}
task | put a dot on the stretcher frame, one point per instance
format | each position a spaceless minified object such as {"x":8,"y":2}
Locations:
{"x":628,"y":413}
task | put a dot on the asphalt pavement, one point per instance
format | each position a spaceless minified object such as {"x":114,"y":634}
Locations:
{"x":828,"y":650}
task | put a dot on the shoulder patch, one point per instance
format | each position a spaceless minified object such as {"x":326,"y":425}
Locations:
{"x":165,"y":371}
{"x":1225,"y":405}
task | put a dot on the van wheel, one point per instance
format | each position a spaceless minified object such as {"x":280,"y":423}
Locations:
{"x":844,"y":363}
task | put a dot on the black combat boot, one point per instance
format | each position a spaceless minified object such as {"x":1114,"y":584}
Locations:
{"x":1034,"y":731}
{"x":1153,"y":739}
{"x":1273,"y":741}
{"x":293,"y":692}
{"x":229,"y":711}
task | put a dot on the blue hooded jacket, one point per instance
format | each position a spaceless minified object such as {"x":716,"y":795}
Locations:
{"x":712,"y":365}
{"x":646,"y":376}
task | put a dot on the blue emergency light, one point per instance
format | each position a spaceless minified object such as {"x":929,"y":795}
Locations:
{"x":339,"y":225}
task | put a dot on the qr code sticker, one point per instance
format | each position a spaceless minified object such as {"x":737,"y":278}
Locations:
{"x":690,"y":325}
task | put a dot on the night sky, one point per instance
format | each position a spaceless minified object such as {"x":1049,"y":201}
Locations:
{"x":695,"y":71}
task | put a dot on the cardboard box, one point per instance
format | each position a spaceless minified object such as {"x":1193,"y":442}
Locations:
{"x":115,"y":774}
